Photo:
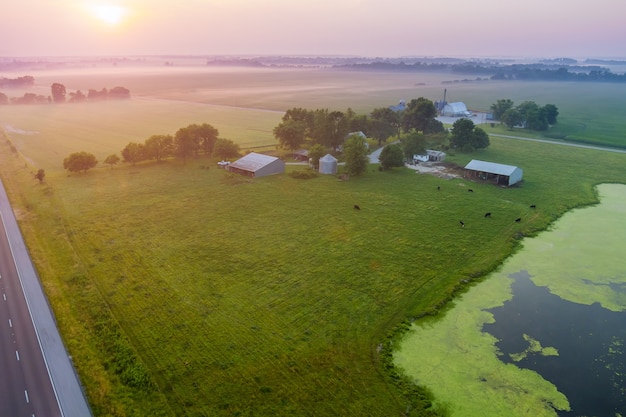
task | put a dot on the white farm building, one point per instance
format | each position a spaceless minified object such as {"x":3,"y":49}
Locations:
{"x":328,"y":164}
{"x":458,"y":109}
{"x":490,"y":171}
{"x":257,"y":165}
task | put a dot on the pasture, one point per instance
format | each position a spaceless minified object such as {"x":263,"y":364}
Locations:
{"x":182,"y":290}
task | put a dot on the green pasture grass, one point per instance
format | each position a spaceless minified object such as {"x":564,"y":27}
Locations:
{"x":235,"y":296}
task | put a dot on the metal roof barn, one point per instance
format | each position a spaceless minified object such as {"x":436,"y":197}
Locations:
{"x":257,"y":165}
{"x":455,"y":109}
{"x":502,"y":174}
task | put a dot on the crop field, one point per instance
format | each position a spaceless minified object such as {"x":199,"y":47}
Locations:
{"x":182,"y":290}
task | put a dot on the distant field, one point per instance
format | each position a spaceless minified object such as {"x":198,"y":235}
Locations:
{"x":588,"y":112}
{"x":182,"y":290}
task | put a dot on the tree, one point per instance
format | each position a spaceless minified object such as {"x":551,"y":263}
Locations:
{"x":77,"y":97}
{"x":551,"y":112}
{"x":290,"y":133}
{"x":384,"y":123}
{"x":466,"y":136}
{"x":185,"y":143}
{"x":119,"y":93}
{"x":58,"y":93}
{"x":413,"y":144}
{"x":511,"y":118}
{"x":112,"y":159}
{"x":133,"y":153}
{"x":315,"y":153}
{"x":225,"y":148}
{"x":355,"y":155}
{"x":80,"y":161}
{"x":391,"y":156}
{"x":158,"y":147}
{"x":4,"y":99}
{"x":418,"y":115}
{"x":40,"y":175}
{"x":500,"y":107}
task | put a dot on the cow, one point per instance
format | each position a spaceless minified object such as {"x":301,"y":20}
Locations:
{"x":356,"y":207}
{"x":469,"y":190}
{"x":519,"y":219}
{"x":533,"y":206}
{"x":488,"y":214}
{"x":461,"y":223}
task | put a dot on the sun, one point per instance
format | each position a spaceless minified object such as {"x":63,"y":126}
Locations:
{"x":109,"y":14}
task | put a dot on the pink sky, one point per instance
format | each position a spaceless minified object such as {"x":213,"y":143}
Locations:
{"x":390,"y":28}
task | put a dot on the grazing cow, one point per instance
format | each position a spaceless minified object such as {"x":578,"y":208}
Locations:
{"x":356,"y":207}
{"x":461,"y":223}
{"x":438,"y":188}
{"x":533,"y":206}
{"x":488,"y":214}
{"x":469,"y":190}
{"x":519,"y":219}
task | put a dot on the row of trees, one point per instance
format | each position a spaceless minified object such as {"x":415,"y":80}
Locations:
{"x":330,"y":128}
{"x":191,"y":141}
{"x":527,"y":114}
{"x":59,"y":94}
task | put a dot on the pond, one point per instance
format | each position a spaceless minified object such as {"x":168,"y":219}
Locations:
{"x":543,"y":336}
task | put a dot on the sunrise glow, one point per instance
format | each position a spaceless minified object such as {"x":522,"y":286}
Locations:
{"x":109,"y":14}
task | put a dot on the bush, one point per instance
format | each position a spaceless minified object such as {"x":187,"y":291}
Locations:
{"x":303,"y":175}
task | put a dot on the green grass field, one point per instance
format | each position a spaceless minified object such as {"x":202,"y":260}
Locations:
{"x":182,"y":290}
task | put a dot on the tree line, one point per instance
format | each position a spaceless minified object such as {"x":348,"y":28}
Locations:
{"x":528,"y":114}
{"x":192,"y":141}
{"x":321,"y":130}
{"x":58,"y":93}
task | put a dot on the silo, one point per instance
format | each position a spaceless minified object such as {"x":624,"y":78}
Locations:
{"x":328,"y":164}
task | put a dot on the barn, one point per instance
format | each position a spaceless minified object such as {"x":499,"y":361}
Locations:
{"x":491,"y":171}
{"x":458,"y":109}
{"x":257,"y":165}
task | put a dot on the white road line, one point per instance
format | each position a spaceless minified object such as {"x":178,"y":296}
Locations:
{"x":5,"y":297}
{"x":26,"y":395}
{"x":17,"y":355}
{"x":10,"y":323}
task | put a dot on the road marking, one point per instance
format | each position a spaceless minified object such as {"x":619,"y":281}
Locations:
{"x":5,"y":297}
{"x":26,"y":395}
{"x":10,"y":323}
{"x":17,"y":355}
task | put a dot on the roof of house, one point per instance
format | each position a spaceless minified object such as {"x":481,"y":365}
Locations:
{"x":253,"y":162}
{"x":491,"y":167}
{"x":328,"y":158}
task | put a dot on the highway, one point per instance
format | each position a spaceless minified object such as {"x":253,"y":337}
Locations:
{"x":37,"y":378}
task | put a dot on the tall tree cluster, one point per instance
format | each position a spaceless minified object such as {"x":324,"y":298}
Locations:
{"x":527,"y":114}
{"x":330,"y":129}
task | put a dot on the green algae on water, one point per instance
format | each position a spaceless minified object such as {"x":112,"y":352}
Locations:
{"x":579,"y":260}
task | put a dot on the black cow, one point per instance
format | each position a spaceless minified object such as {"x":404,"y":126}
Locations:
{"x":519,"y":219}
{"x":356,"y":207}
{"x":488,"y":214}
{"x":533,"y":206}
{"x":469,"y":190}
{"x":461,"y":223}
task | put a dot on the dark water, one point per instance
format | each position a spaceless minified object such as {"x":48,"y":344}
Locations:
{"x":591,"y":367}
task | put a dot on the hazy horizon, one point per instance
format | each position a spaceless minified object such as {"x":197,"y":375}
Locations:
{"x":369,"y":28}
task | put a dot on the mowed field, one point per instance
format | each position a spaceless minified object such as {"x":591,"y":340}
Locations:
{"x":182,"y":290}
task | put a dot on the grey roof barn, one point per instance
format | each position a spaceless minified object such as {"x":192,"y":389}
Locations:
{"x":257,"y":165}
{"x":500,"y":173}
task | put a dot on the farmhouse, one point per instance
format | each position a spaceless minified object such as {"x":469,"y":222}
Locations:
{"x":458,"y":109}
{"x":499,"y":173}
{"x":257,"y":165}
